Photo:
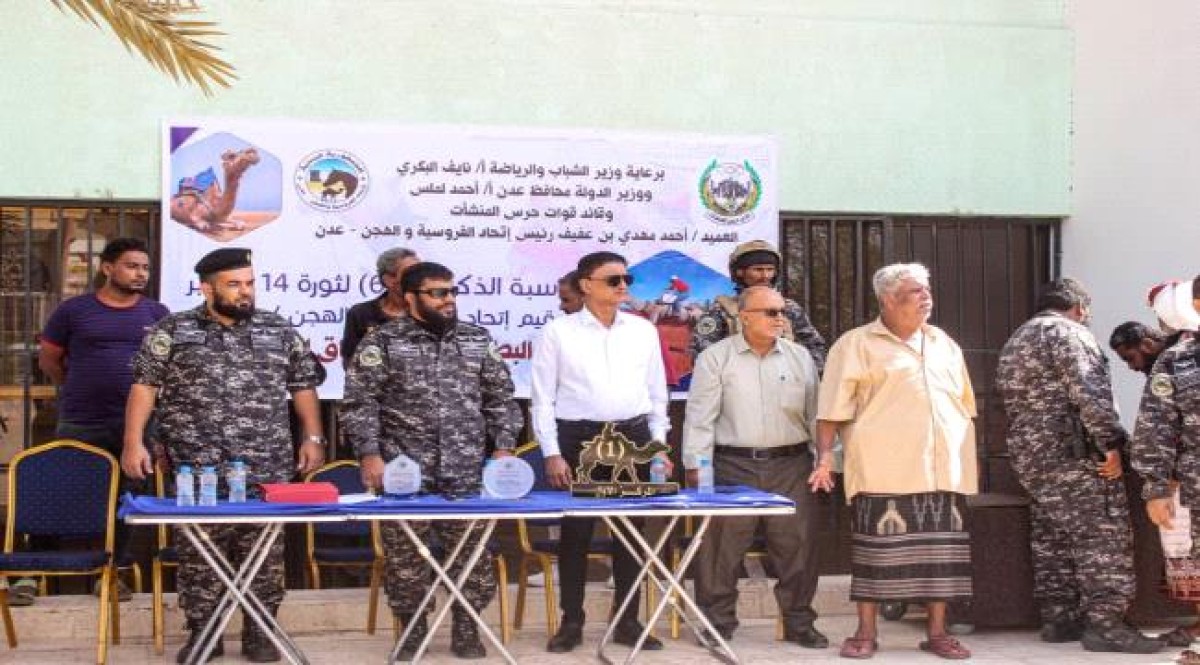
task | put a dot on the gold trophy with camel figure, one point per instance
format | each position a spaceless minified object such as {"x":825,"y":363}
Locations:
{"x":613,"y":449}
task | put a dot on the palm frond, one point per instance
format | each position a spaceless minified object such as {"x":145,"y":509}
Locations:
{"x":167,"y":42}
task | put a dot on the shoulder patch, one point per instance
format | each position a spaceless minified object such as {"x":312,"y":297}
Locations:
{"x":1161,"y":386}
{"x":370,"y":356}
{"x":707,"y":325}
{"x":160,"y":344}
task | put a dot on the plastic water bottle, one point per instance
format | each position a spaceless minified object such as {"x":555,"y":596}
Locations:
{"x":658,"y":470}
{"x":706,"y":476}
{"x":237,"y":481}
{"x":208,"y":486}
{"x":185,"y":486}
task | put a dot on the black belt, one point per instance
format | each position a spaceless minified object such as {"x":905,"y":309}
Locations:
{"x":635,"y":421}
{"x":794,"y":450}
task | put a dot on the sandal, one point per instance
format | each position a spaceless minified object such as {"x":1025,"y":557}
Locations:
{"x":859,"y":648}
{"x":1179,"y":637}
{"x":23,"y":592}
{"x":1188,"y":657}
{"x":945,"y":646}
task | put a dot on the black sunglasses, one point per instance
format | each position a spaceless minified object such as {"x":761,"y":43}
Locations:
{"x":615,"y":280}
{"x":769,"y":312}
{"x":439,"y":294}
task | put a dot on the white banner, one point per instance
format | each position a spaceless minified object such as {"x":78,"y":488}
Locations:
{"x":508,"y":210}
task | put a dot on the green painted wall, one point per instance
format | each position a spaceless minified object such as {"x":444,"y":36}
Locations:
{"x":886,"y":105}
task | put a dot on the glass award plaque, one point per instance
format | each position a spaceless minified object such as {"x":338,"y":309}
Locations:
{"x":507,"y":478}
{"x":401,"y":477}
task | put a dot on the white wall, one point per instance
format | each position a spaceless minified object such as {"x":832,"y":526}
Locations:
{"x":1136,"y":159}
{"x":921,"y":106}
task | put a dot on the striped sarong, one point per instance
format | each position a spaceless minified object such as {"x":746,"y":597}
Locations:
{"x":909,"y":547}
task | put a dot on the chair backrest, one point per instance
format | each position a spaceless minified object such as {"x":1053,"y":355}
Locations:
{"x":65,"y":488}
{"x":532,"y":453}
{"x":346,"y":475}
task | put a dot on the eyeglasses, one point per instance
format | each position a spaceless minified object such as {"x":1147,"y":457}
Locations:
{"x":769,"y":312}
{"x":614,"y":280}
{"x":439,"y":294}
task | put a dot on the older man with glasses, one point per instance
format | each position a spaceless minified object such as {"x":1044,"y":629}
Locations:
{"x":751,"y":411}
{"x":595,"y":367}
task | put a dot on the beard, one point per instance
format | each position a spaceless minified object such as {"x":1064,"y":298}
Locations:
{"x":433,"y":320}
{"x":127,"y":288}
{"x":235,"y":311}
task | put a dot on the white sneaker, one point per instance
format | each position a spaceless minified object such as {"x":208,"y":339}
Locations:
{"x":609,"y":583}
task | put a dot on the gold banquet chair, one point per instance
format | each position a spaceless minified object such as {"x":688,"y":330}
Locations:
{"x":68,"y":489}
{"x":320,"y":551}
{"x":165,"y":556}
{"x":543,"y":551}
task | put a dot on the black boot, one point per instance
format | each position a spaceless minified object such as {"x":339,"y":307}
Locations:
{"x":464,"y":638}
{"x":256,"y":646}
{"x":409,"y":649}
{"x":193,"y":636}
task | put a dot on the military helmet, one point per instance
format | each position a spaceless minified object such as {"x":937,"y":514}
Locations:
{"x":752,"y":253}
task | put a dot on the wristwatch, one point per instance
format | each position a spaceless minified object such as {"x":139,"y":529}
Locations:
{"x":316,"y":438}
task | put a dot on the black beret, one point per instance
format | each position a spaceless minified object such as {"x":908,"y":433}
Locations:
{"x":227,"y":258}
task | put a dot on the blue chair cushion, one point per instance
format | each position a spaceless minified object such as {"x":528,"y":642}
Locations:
{"x":52,"y":561}
{"x":362,"y":555}
{"x":341,"y":529}
{"x":168,"y":555}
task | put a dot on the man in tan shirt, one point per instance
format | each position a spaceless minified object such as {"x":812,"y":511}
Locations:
{"x":750,"y":412}
{"x":898,"y":392}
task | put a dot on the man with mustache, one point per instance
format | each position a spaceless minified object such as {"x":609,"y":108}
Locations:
{"x":217,"y":377}
{"x":435,"y":389}
{"x":87,"y":347}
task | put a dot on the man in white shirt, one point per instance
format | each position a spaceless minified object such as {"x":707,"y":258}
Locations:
{"x":751,"y":413}
{"x":597,"y":366}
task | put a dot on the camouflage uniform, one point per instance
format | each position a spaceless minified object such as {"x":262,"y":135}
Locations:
{"x":720,"y":321}
{"x":1055,"y":383}
{"x":223,"y":396}
{"x":1166,"y":439}
{"x":440,"y":402}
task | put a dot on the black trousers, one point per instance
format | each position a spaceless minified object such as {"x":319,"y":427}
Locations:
{"x":577,"y":532}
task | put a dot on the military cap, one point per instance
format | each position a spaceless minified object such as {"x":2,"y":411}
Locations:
{"x":226,"y":258}
{"x":753,"y":253}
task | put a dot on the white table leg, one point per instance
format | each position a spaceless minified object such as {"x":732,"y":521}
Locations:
{"x":453,"y":586}
{"x":238,"y":592}
{"x":671,"y":583}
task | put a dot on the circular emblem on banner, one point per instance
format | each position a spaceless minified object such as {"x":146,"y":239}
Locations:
{"x":706,"y":326}
{"x":370,"y":356}
{"x":730,"y":192}
{"x":331,"y":180}
{"x":160,"y":345}
{"x":1161,"y":385}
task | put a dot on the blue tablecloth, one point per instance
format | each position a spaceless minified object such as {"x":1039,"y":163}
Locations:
{"x":536,"y":502}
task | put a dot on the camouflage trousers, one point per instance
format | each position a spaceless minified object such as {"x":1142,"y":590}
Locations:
{"x":1082,"y":545}
{"x":407,"y":576}
{"x":200,"y":588}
